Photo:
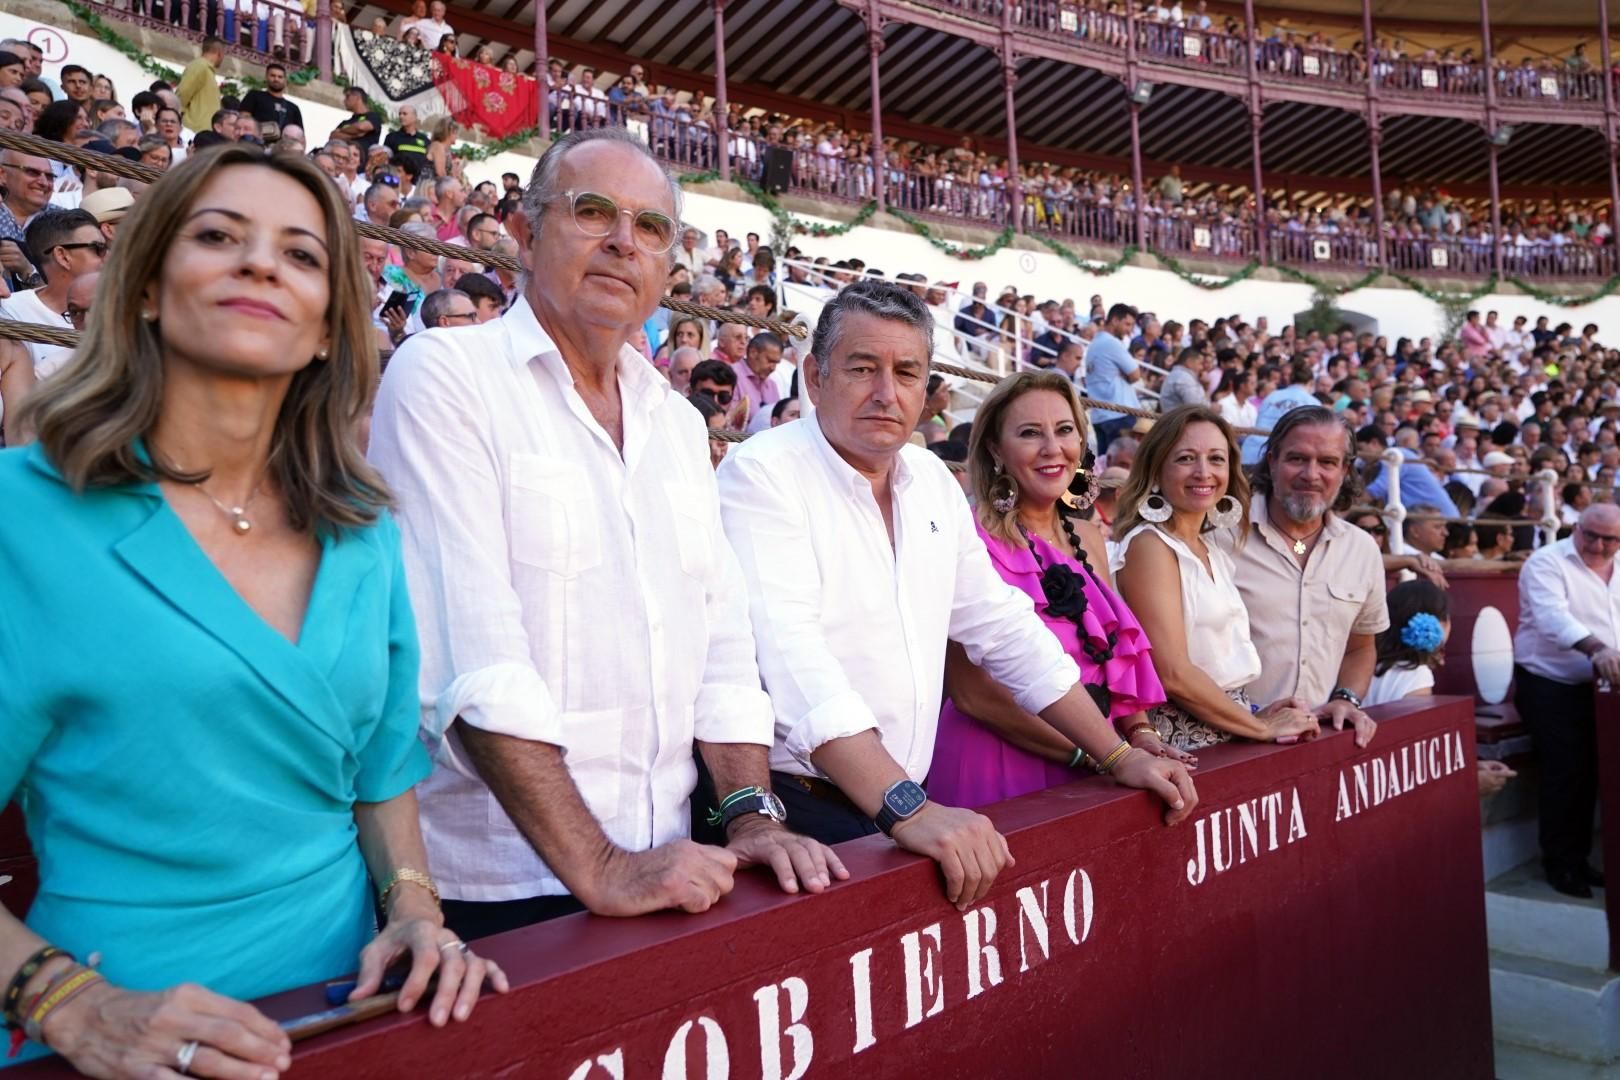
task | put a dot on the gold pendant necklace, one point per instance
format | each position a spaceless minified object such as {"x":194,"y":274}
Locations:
{"x":237,"y":514}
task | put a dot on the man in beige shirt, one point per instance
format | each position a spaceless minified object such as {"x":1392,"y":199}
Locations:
{"x":1313,"y":583}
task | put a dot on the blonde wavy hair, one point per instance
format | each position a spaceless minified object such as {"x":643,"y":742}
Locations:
{"x":1154,"y":453}
{"x":90,"y":416}
{"x":987,"y":424}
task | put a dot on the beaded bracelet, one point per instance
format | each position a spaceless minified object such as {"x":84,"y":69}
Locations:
{"x":29,"y":969}
{"x":64,"y":992}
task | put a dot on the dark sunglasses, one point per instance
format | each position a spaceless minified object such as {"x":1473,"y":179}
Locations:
{"x":98,"y":246}
{"x":720,"y":397}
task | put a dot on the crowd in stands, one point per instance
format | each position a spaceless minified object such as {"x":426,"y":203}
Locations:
{"x":832,"y":623}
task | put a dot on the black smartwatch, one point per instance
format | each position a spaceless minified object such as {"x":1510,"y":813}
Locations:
{"x":1344,"y":694}
{"x":901,"y":801}
{"x":754,"y":800}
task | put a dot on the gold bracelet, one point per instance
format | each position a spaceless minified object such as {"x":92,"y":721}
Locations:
{"x":1107,"y":763}
{"x":1149,"y":728}
{"x":406,"y":875}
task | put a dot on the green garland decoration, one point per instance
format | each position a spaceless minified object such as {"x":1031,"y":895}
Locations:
{"x":955,"y":251}
{"x":121,"y":44}
{"x":787,"y":225}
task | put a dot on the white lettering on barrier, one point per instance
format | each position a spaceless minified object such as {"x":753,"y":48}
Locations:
{"x":771,"y":1031}
{"x":1032,"y":914}
{"x":1083,"y":879}
{"x":981,"y":950}
{"x":1370,"y":784}
{"x":716,"y":1057}
{"x":1221,"y":845}
{"x":922,"y":977}
{"x":860,"y":971}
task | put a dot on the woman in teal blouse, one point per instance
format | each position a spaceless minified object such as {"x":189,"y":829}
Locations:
{"x":207,"y":658}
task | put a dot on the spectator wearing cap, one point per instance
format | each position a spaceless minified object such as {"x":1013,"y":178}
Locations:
{"x":63,"y":245}
{"x":1495,"y":462}
{"x":108,"y":206}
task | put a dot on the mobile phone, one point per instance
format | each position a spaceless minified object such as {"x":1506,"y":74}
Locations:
{"x":398,"y":299}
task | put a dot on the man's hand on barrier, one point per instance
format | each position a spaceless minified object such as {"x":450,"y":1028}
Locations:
{"x":1340,"y":712}
{"x":795,"y":860}
{"x":967,"y":847}
{"x":1167,"y":779}
{"x":680,"y":874}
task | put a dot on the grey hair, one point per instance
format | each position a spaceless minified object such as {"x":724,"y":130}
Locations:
{"x":869,"y":296}
{"x":704,"y":283}
{"x":111,"y":129}
{"x":423,"y":229}
{"x":442,"y":185}
{"x":542,"y":187}
{"x":436,"y":304}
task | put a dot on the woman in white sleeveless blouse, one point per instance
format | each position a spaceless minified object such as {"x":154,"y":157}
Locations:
{"x":1184,"y":482}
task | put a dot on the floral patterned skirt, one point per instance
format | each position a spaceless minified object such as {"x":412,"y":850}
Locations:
{"x":1182,"y":730}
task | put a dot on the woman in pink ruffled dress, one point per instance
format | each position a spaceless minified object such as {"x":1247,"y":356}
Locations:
{"x":1028,"y":440}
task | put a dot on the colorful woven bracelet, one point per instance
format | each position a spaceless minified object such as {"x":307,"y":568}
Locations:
{"x":66,"y":991}
{"x":29,"y":969}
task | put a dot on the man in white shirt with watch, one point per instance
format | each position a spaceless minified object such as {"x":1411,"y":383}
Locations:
{"x":1569,"y":627}
{"x":582,"y":619}
{"x":861,"y":560}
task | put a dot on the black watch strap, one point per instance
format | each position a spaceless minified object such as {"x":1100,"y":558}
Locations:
{"x":902,"y":800}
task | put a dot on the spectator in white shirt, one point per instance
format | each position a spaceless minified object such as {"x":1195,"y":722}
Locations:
{"x":64,"y":244}
{"x":1569,"y":627}
{"x":861,"y":560}
{"x":431,"y":29}
{"x":582,"y":618}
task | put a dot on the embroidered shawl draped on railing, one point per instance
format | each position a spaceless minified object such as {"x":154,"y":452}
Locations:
{"x":479,"y":95}
{"x":388,"y":70}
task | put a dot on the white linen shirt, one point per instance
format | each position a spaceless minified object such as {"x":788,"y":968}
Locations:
{"x":851,"y":632}
{"x":1561,"y":601}
{"x":562,"y":593}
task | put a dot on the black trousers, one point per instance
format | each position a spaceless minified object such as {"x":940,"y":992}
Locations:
{"x":1563,"y":728}
{"x":820,"y":811}
{"x":474,"y":919}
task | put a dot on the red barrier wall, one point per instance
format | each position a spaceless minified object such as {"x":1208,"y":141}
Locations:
{"x":1472,"y":590}
{"x":1322,"y":916}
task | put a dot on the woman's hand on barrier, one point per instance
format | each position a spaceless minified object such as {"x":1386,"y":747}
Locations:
{"x":1144,"y":739}
{"x":433,"y":950}
{"x":1169,"y":780}
{"x":121,"y":1034}
{"x":1288,"y":721}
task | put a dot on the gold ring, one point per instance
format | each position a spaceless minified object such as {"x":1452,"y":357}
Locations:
{"x":455,"y":944}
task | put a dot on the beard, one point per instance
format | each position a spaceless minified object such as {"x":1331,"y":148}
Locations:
{"x":1306,"y":506}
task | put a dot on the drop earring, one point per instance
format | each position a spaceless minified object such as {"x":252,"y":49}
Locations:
{"x":1155,"y":508}
{"x":1083,"y":489}
{"x":1226,"y":513}
{"x":1003,"y":492}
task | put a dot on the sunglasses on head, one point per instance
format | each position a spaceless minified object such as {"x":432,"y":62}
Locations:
{"x":388,"y":178}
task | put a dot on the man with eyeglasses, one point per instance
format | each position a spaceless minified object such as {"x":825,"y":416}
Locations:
{"x":65,"y":244}
{"x":448,"y":308}
{"x":1569,"y":627}
{"x":28,"y":182}
{"x":583,"y":621}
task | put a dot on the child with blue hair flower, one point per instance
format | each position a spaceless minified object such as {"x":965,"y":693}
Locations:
{"x":1410,"y":650}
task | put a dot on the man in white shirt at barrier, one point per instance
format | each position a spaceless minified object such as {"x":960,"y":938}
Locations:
{"x":861,"y":560}
{"x":583,"y":621}
{"x":1568,"y":633}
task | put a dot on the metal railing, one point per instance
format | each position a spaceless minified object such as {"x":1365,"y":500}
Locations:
{"x":256,"y":30}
